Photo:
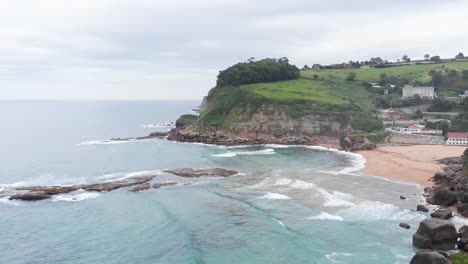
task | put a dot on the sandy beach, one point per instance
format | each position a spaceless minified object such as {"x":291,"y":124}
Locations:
{"x":416,"y":163}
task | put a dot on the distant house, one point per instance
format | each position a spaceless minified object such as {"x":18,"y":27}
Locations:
{"x":423,"y":92}
{"x":457,"y":138}
{"x":316,"y":66}
{"x":463,"y":95}
{"x":418,"y":129}
{"x":365,"y":67}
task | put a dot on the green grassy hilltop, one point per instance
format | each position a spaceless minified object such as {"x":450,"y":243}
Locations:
{"x":328,"y":92}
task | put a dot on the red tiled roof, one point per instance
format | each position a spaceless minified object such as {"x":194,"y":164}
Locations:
{"x":457,"y":135}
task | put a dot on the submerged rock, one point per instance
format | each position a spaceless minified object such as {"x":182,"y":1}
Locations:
{"x":141,"y":187}
{"x":422,"y":208}
{"x":404,"y":225}
{"x":31,"y":196}
{"x":442,"y":213}
{"x":190,"y":173}
{"x":429,"y":257}
{"x":163,"y":184}
{"x":436,"y":234}
{"x":463,"y":233}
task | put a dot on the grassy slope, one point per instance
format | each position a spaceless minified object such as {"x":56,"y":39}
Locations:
{"x":329,"y":93}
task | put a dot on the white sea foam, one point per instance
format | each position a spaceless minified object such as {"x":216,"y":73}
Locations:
{"x":6,"y":201}
{"x":102,"y":142}
{"x":279,"y":222}
{"x":283,"y":182}
{"x":274,"y":196}
{"x":332,"y":256}
{"x":325,"y":216}
{"x":75,"y":197}
{"x":253,"y":152}
{"x":303,"y":185}
{"x":165,"y":125}
{"x":377,"y":211}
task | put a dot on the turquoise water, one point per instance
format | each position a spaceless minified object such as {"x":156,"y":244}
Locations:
{"x":287,"y":205}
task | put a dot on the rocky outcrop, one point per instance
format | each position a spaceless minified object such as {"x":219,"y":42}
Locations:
{"x":429,"y":257}
{"x":355,"y":143}
{"x":155,"y":135}
{"x":436,"y":234}
{"x":463,"y":233}
{"x":444,"y":196}
{"x":442,"y":213}
{"x":141,"y":187}
{"x":35,"y":193}
{"x":163,"y":184}
{"x":213,"y":172}
{"x":422,"y":208}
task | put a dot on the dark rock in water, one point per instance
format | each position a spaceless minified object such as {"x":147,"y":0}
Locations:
{"x":430,"y":200}
{"x":141,"y":187}
{"x":442,"y":213}
{"x":436,"y":234}
{"x":404,"y":225}
{"x":31,"y":196}
{"x":444,"y":197}
{"x":463,"y":210}
{"x":422,"y":208}
{"x":429,"y":257}
{"x":402,"y":197}
{"x":163,"y":184}
{"x":155,"y":135}
{"x":121,"y":139}
{"x":463,"y":233}
{"x":34,"y":193}
{"x":190,"y":173}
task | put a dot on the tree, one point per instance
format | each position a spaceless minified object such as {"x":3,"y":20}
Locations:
{"x":418,"y":114}
{"x":440,"y":105}
{"x":406,"y":58}
{"x":427,"y":56}
{"x":351,"y":76}
{"x":435,"y":58}
{"x":460,"y":55}
{"x":306,"y":67}
{"x":437,"y":77}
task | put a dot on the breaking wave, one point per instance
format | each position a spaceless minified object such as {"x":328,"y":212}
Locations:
{"x":75,"y":197}
{"x":237,"y":153}
{"x":326,"y":216}
{"x":274,"y":196}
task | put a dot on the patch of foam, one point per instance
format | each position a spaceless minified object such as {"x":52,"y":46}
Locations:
{"x":333,"y":255}
{"x":102,"y":142}
{"x":274,"y":196}
{"x":75,"y":197}
{"x":335,"y":199}
{"x":298,"y":184}
{"x":358,"y":162}
{"x":5,"y":200}
{"x":283,"y":182}
{"x":225,"y":155}
{"x":459,"y":221}
{"x":326,"y":216}
{"x":279,"y":222}
{"x":268,"y":151}
{"x":377,"y":211}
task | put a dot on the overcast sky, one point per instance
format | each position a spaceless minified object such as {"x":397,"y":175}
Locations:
{"x":173,"y":49}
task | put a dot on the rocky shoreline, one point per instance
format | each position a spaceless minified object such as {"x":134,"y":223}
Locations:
{"x":436,"y":235}
{"x":138,"y":183}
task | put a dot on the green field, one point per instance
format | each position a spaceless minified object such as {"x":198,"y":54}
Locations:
{"x":325,"y":92}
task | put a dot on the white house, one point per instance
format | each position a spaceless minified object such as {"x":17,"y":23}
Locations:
{"x":463,"y":95}
{"x":424,"y":92}
{"x":457,"y":138}
{"x":418,"y":129}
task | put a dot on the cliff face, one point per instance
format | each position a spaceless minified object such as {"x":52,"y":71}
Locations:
{"x":274,"y":121}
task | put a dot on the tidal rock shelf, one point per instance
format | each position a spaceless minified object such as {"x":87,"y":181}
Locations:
{"x":138,"y":184}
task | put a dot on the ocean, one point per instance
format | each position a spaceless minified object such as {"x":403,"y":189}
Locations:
{"x":287,"y":204}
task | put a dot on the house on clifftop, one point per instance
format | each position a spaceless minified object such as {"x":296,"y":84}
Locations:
{"x":423,"y":92}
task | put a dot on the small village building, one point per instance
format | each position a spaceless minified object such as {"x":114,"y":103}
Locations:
{"x":418,"y":129}
{"x":423,"y":92}
{"x":457,"y":138}
{"x":463,"y":95}
{"x":316,"y":66}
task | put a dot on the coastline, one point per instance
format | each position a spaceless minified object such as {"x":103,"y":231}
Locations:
{"x":412,"y":163}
